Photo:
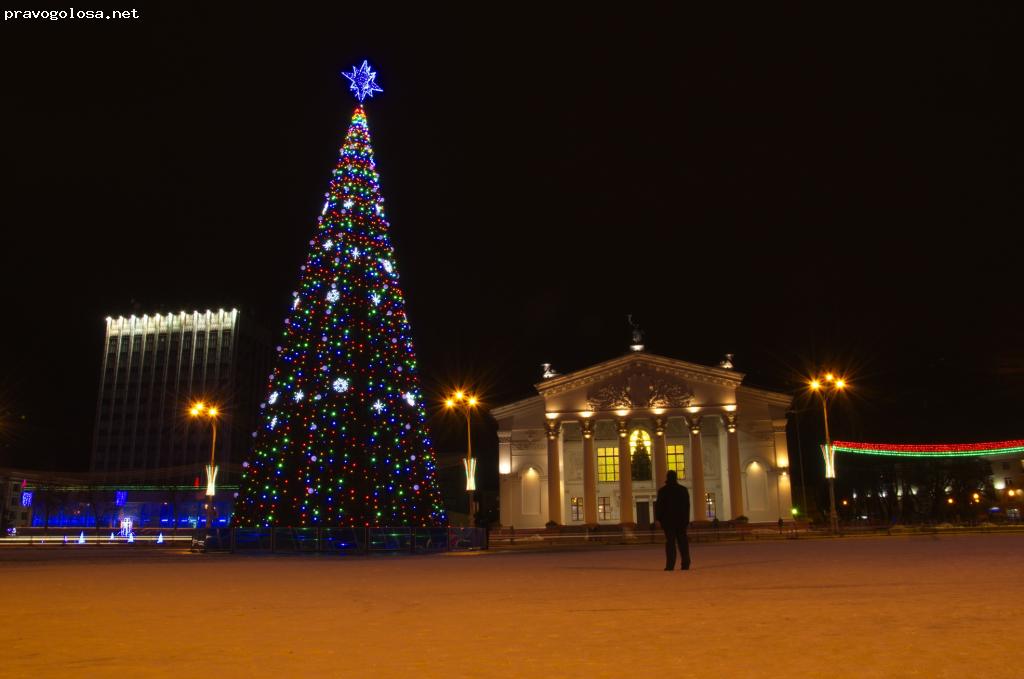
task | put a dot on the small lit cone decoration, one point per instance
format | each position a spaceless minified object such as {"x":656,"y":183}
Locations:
{"x":211,"y":480}
{"x":469,"y":464}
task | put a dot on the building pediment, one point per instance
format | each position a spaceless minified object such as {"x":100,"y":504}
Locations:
{"x":669,"y":379}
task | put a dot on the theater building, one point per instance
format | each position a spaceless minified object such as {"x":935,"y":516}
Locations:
{"x":592,"y":447}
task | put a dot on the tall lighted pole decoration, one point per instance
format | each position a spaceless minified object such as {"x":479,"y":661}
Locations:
{"x":342,"y":439}
{"x":463,"y":401}
{"x":826,"y":387}
{"x":200,"y":409}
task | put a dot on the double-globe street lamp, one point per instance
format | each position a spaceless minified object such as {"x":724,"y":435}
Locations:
{"x":460,"y":400}
{"x":828,"y":386}
{"x":210,"y":412}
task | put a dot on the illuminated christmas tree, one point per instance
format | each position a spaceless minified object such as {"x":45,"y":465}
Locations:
{"x":343,"y":438}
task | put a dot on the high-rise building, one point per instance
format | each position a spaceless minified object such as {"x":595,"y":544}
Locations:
{"x":154,"y":368}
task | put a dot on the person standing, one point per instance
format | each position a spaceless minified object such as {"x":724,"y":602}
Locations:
{"x":672,"y":511}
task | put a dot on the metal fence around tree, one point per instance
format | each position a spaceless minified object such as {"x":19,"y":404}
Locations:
{"x":336,"y":540}
{"x":331,"y":540}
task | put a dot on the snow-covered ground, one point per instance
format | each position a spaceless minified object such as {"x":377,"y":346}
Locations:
{"x":921,"y":606}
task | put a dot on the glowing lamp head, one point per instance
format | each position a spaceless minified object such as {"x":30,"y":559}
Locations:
{"x":471,"y":401}
{"x":840,"y":384}
{"x":949,"y":500}
{"x":459,"y":395}
{"x":815,"y":385}
{"x":829,"y":377}
{"x":450,"y":403}
{"x":200,"y":409}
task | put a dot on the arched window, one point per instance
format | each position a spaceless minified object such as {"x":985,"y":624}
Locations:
{"x":640,"y":455}
{"x":638,"y":436}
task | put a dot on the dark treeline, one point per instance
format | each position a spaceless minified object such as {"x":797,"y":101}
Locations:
{"x":913,"y":491}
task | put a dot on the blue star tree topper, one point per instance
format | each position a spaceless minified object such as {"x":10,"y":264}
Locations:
{"x":362,"y":81}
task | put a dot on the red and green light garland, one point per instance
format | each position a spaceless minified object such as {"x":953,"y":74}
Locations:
{"x":928,"y":450}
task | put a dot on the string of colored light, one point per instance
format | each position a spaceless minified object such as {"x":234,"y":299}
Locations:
{"x":343,"y":440}
{"x":936,"y":450}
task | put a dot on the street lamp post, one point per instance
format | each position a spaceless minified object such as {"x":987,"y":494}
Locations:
{"x":800,"y":458}
{"x":466,"y":403}
{"x":824,"y":387}
{"x":200,"y":409}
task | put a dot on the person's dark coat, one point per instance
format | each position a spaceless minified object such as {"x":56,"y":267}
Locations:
{"x":672,"y":508}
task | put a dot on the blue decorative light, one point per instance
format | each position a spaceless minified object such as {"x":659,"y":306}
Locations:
{"x":120,"y":497}
{"x":26,"y":498}
{"x":362,"y":81}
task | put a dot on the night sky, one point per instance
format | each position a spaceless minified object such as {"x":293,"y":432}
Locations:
{"x":798,"y":187}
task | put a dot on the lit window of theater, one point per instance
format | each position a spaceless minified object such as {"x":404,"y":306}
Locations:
{"x":674,"y":458}
{"x":607,"y":464}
